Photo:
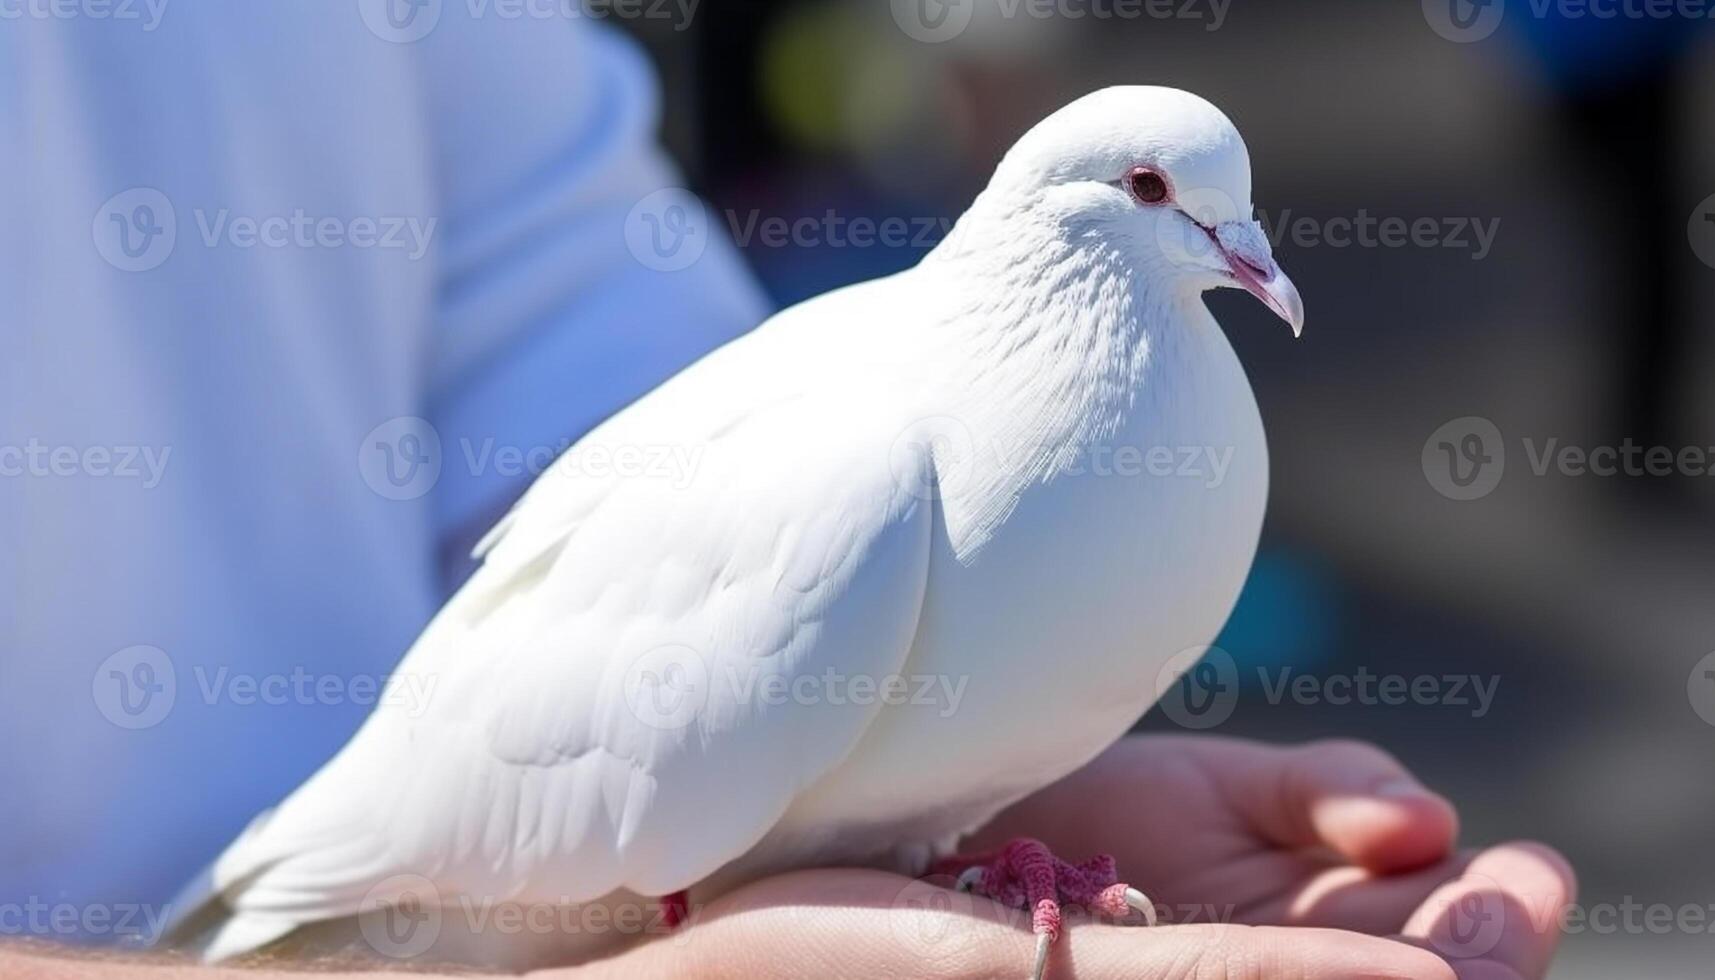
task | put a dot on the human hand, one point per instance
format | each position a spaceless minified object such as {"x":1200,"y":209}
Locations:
{"x":1320,"y":861}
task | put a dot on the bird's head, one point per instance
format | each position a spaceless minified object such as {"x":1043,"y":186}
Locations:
{"x":1163,"y":178}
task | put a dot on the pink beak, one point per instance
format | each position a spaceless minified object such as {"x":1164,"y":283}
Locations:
{"x":1250,"y":261}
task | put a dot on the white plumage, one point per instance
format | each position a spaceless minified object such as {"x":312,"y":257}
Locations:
{"x":917,"y":477}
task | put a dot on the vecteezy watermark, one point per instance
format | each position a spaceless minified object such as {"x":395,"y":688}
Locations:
{"x":953,"y":447}
{"x":403,"y":459}
{"x":300,"y":229}
{"x":39,"y":918}
{"x":137,"y":687}
{"x":1200,"y":688}
{"x":400,"y":917}
{"x":400,"y":21}
{"x":1700,"y":688}
{"x":668,"y":230}
{"x":1465,"y":233}
{"x":677,"y":13}
{"x":1701,"y":231}
{"x":1630,"y":917}
{"x":675,"y":465}
{"x":1470,"y":917}
{"x":1464,"y":21}
{"x":834,"y":230}
{"x":1464,"y":459}
{"x":400,"y":459}
{"x":668,"y":687}
{"x":404,"y":915}
{"x":938,"y":21}
{"x":146,"y":13}
{"x":405,"y":21}
{"x":934,"y":925}
{"x":221,"y":685}
{"x":1191,"y":244}
{"x":136,"y":230}
{"x":1473,"y":692}
{"x":147,"y":464}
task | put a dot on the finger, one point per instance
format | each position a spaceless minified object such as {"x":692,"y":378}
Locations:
{"x":863,"y":923}
{"x":1234,"y":950}
{"x":1503,"y":914}
{"x":1352,"y":898}
{"x":1351,"y":797}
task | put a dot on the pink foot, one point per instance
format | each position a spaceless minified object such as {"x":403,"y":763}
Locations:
{"x":1026,"y":875}
{"x":675,"y":909}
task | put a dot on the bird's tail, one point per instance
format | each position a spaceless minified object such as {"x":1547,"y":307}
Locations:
{"x":201,"y":919}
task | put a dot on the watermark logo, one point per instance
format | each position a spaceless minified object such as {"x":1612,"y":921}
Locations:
{"x":401,"y":916}
{"x":933,"y":21}
{"x":1472,"y":917}
{"x":300,"y":229}
{"x":834,"y":230}
{"x":129,"y":923}
{"x":1465,"y":459}
{"x":135,"y":688}
{"x":679,"y":13}
{"x":146,"y":12}
{"x":1464,"y":21}
{"x":1199,"y":687}
{"x":939,"y":21}
{"x":400,"y":459}
{"x":1187,"y":244}
{"x":1700,"y":688}
{"x":1701,"y":231}
{"x":668,"y":230}
{"x":135,"y":230}
{"x":403,"y":459}
{"x":400,"y":21}
{"x":1470,"y":234}
{"x":933,"y":450}
{"x":667,"y":687}
{"x":934,"y":924}
{"x":37,"y":459}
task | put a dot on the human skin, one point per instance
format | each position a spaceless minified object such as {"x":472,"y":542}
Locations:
{"x":1326,"y":861}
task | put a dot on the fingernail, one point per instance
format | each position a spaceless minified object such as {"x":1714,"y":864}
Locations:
{"x":1400,"y":789}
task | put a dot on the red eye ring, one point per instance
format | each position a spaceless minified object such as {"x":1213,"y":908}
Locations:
{"x":1148,"y":186}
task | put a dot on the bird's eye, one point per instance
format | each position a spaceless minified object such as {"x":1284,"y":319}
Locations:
{"x":1148,"y":186}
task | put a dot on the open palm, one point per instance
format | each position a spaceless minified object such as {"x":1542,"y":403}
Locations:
{"x":1318,"y":862}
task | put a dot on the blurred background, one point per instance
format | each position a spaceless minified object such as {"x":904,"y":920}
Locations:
{"x":1582,"y":148}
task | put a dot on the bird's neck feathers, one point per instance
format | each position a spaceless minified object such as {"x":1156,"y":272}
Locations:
{"x":1048,"y":330}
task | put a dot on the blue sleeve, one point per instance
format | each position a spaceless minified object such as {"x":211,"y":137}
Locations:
{"x":546,"y":321}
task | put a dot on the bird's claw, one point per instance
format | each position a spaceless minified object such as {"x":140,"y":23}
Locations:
{"x":1039,"y":966}
{"x":1140,"y":902}
{"x":1024,"y":874}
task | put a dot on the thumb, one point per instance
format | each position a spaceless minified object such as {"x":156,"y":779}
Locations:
{"x":1234,"y":950}
{"x":1350,"y":797}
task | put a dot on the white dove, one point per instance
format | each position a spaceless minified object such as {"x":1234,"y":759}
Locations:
{"x":965,"y":475}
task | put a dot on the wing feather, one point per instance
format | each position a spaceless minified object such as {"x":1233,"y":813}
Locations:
{"x":636,"y":684}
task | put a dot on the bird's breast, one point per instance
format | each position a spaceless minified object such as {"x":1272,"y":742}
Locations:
{"x":1048,"y":645}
